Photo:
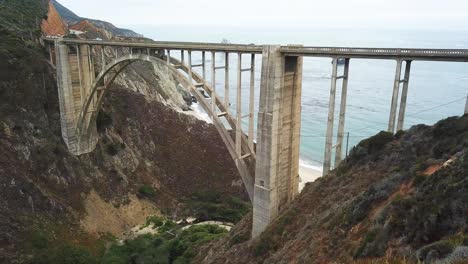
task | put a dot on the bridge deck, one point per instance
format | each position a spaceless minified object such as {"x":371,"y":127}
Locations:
{"x":457,"y":55}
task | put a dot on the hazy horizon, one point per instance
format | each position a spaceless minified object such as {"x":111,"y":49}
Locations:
{"x":399,"y":14}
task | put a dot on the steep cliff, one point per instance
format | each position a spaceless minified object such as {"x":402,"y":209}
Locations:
{"x":396,"y":199}
{"x":149,"y":158}
{"x":72,"y":18}
{"x":53,"y":25}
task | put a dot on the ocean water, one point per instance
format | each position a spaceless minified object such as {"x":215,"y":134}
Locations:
{"x":436,"y":90}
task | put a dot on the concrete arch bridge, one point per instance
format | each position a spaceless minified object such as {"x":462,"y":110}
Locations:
{"x":269,"y":168}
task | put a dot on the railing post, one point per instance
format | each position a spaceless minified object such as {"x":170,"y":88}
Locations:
{"x":342,"y":118}
{"x":404,"y":96}
{"x":396,"y":90}
{"x":330,"y":120}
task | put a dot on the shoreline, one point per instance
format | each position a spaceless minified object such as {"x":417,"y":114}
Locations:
{"x":307,"y":173}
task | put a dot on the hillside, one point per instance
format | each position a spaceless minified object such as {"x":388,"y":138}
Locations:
{"x":144,"y":164}
{"x":396,"y":199}
{"x":72,"y":18}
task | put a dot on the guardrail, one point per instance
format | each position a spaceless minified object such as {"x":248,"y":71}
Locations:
{"x":379,"y":53}
{"x":172,"y":45}
{"x":341,"y":52}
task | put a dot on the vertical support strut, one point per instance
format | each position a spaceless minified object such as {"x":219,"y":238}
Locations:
{"x":116,"y":52}
{"x":182,"y":57}
{"x":79,"y":73}
{"x":213,"y":84}
{"x":342,"y":118}
{"x":92,"y":76}
{"x":190,"y":66}
{"x":168,"y":57}
{"x":50,"y":55}
{"x":203,"y":65}
{"x":239,"y":106}
{"x":103,"y":59}
{"x":396,"y":90}
{"x":252,"y":102}
{"x":466,"y":105}
{"x":404,"y":96}
{"x":226,"y":80}
{"x":331,"y":119}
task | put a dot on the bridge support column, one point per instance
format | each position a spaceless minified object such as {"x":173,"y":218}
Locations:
{"x":404,"y":96}
{"x":278,"y":135}
{"x":74,"y":79}
{"x":341,"y":122}
{"x":396,"y":91}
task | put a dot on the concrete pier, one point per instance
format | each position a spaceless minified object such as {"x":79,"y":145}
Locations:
{"x":404,"y":96}
{"x":279,"y":121}
{"x":75,"y":74}
{"x":395,"y":95}
{"x":342,"y":118}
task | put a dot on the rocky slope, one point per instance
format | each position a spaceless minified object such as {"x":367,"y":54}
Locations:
{"x":53,"y":25}
{"x":149,"y":156}
{"x":396,"y":199}
{"x":72,"y":18}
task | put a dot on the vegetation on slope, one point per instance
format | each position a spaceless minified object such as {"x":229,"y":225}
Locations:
{"x":44,"y":190}
{"x":172,"y":245}
{"x":214,"y":205}
{"x":397,"y":198}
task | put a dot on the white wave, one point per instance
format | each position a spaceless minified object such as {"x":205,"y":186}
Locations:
{"x":310,"y":165}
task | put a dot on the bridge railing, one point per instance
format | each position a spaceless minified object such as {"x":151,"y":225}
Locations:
{"x":423,"y":54}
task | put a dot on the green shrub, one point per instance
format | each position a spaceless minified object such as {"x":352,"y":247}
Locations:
{"x":368,"y":239}
{"x":377,"y":142}
{"x":103,"y":121}
{"x":239,"y":238}
{"x":146,"y":191}
{"x":158,"y":249}
{"x":155,"y":220}
{"x":112,"y":149}
{"x":212,"y":205}
{"x":39,"y":240}
{"x":262,"y":246}
{"x":65,"y":254}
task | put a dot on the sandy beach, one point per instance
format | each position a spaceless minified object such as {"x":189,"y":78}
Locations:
{"x":308,"y":174}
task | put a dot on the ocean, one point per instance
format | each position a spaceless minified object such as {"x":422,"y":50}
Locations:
{"x":437,"y":90}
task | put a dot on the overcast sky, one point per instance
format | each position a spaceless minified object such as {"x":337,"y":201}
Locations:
{"x":421,"y":14}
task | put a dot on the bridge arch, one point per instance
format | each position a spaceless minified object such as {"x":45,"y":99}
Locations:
{"x":86,"y":121}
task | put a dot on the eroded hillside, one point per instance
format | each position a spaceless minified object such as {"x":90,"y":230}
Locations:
{"x":399,"y":198}
{"x":149,"y":160}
